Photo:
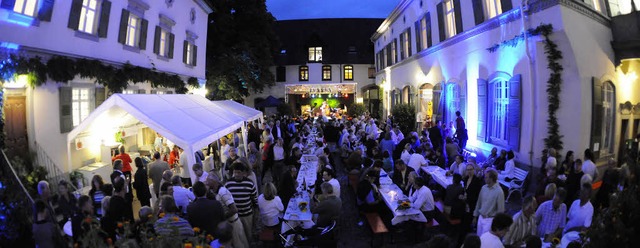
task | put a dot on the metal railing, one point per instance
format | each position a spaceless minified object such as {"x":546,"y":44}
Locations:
{"x":12,"y":172}
{"x":55,"y":174}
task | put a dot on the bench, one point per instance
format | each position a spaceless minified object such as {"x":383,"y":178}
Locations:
{"x":516,"y":184}
{"x":376,"y":224}
{"x":267,"y":236}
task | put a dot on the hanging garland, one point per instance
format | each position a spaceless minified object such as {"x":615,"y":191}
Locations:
{"x":64,"y":69}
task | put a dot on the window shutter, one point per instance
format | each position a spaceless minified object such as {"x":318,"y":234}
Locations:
{"x":514,"y":115}
{"x":418,"y":36}
{"x":143,"y":34}
{"x":402,"y":55}
{"x":597,"y":112}
{"x":506,"y":5}
{"x":105,"y":13}
{"x":185,"y":46}
{"x":457,"y":10}
{"x":172,"y":38}
{"x":7,"y":4}
{"x":478,"y":11}
{"x":46,"y":10}
{"x":409,"y":53}
{"x":195,"y":55}
{"x":428,"y":16}
{"x":393,"y":53}
{"x":440,"y":8}
{"x":66,"y":115}
{"x":100,"y":96}
{"x":482,"y":110}
{"x":156,"y":40}
{"x":463,"y":102}
{"x":389,"y":54}
{"x":74,"y":15}
{"x":122,"y":31}
{"x":142,"y":91}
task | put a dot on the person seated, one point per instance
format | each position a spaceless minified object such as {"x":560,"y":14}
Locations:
{"x":406,"y":153}
{"x":492,"y":158}
{"x":369,"y":198}
{"x":354,"y":162}
{"x":457,"y":167}
{"x":387,"y":162}
{"x":408,"y":189}
{"x":454,"y":204}
{"x":422,"y":199}
{"x":439,"y":159}
{"x":328,"y":208}
{"x":401,"y":174}
{"x":509,"y":168}
{"x":452,"y":149}
{"x":524,"y":225}
{"x":500,"y":161}
{"x":171,"y":222}
{"x":581,"y":212}
{"x":416,"y":160}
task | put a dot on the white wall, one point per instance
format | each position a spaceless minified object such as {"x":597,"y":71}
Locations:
{"x":56,"y":37}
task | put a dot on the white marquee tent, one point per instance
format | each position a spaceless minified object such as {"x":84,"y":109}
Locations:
{"x":190,"y":121}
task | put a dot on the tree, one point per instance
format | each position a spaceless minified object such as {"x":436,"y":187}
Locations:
{"x":405,"y":116}
{"x":240,"y":47}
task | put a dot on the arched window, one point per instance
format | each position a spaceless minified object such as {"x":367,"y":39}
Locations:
{"x":499,"y":111}
{"x":406,"y":95}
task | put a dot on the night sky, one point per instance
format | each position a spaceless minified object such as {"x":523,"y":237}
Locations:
{"x":313,"y":9}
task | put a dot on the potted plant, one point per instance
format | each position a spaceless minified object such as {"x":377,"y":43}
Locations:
{"x":77,"y":179}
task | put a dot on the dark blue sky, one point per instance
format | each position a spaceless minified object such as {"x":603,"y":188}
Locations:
{"x":313,"y":9}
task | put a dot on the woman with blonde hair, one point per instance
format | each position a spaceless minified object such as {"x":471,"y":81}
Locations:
{"x":270,"y":205}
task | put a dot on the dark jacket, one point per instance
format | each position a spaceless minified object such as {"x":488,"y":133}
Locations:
{"x":287,"y":187}
{"x":436,"y":135}
{"x":473,"y":191}
{"x":141,"y":185}
{"x":452,"y":199}
{"x":328,"y":210}
{"x":397,"y":177}
{"x":354,"y":161}
{"x":205,"y":214}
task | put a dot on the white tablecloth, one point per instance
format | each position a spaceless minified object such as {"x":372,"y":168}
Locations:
{"x":439,"y":175}
{"x":391,"y":193}
{"x":293,"y":214}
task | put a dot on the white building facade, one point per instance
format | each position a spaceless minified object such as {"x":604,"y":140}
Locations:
{"x":162,"y":36}
{"x":444,"y":56}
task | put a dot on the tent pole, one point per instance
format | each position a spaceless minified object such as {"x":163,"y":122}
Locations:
{"x":244,"y":139}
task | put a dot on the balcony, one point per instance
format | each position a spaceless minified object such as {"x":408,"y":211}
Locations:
{"x":626,"y":36}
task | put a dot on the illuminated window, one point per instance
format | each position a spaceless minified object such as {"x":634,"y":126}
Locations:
{"x":133,"y":31}
{"x":499,"y":101}
{"x":372,"y":72}
{"x":189,"y":53}
{"x":304,"y":73}
{"x":621,"y":7}
{"x":88,"y":16}
{"x":26,"y":7}
{"x":608,"y":120}
{"x":492,"y":8}
{"x":81,"y":101}
{"x":450,"y":18}
{"x":595,"y":4}
{"x":423,"y":33}
{"x":452,"y":95}
{"x":394,"y":47}
{"x":348,"y":72}
{"x":315,"y":54}
{"x":406,"y":43}
{"x":326,"y":72}
{"x":164,"y":43}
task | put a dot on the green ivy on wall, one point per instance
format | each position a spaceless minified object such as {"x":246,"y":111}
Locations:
{"x":63,"y":69}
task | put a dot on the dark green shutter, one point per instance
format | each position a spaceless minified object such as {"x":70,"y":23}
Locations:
{"x":393,"y":53}
{"x":100,"y":96}
{"x":514,"y":112}
{"x":66,"y":114}
{"x":478,"y":11}
{"x":185,"y":46}
{"x":457,"y":10}
{"x":172,"y":38}
{"x":440,"y":8}
{"x":195,"y":55}
{"x":482,"y":110}
{"x":7,"y":4}
{"x":597,"y":115}
{"x":74,"y":15}
{"x":105,"y":13}
{"x":429,"y":42}
{"x":46,"y":10}
{"x":122,"y":31}
{"x":144,"y":24}
{"x":409,"y":52}
{"x":156,"y":40}
{"x":506,"y":5}
{"x":389,"y":60}
{"x":418,"y":36}
{"x":142,"y":92}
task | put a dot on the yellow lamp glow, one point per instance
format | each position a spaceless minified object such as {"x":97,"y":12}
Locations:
{"x":18,"y":82}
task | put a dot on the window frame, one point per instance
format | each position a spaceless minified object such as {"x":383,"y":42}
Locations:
{"x":303,"y":73}
{"x":77,"y":117}
{"x":608,"y":121}
{"x":423,"y":33}
{"x":452,"y":96}
{"x":190,"y":54}
{"x":23,"y":8}
{"x":313,"y":54}
{"x":82,"y":24}
{"x":135,"y":28}
{"x":498,"y":107}
{"x":163,"y":44}
{"x":492,"y":8}
{"x":347,"y":72}
{"x":372,"y":72}
{"x":326,"y":73}
{"x":449,"y":18}
{"x":281,"y":73}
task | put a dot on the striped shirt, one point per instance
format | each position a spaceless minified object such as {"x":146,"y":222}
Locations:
{"x":97,"y":202}
{"x":244,"y":194}
{"x":171,"y":224}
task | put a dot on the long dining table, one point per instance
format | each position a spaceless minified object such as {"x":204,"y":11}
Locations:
{"x":439,"y":175}
{"x":391,"y":195}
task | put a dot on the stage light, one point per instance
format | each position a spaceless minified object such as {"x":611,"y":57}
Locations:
{"x":336,"y":95}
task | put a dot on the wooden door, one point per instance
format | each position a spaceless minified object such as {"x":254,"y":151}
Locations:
{"x":16,"y":126}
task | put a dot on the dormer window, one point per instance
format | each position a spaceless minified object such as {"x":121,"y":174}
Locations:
{"x":315,"y":54}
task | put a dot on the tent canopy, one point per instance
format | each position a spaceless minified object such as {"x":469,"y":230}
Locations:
{"x":249,"y":114}
{"x":190,"y":121}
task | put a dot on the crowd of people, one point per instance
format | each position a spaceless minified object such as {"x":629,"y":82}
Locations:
{"x":240,"y":190}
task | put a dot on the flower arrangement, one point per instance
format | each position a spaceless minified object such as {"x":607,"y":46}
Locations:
{"x":555,"y":242}
{"x":403,"y":205}
{"x":303,"y":206}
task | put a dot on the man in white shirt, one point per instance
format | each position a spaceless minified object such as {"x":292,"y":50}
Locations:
{"x":185,"y":174}
{"x":588,"y":167}
{"x":224,"y":149}
{"x":422,"y":199}
{"x":278,"y":160}
{"x":581,"y":212}
{"x":181,"y":195}
{"x":201,"y":175}
{"x":330,"y":177}
{"x":499,"y":227}
{"x":458,"y":166}
{"x":416,"y":160}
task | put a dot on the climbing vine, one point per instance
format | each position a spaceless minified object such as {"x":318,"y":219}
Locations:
{"x":553,"y":139}
{"x":63,"y":69}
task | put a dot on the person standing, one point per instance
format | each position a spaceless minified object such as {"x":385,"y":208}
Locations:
{"x":220,"y":193}
{"x":245,"y":196}
{"x":141,"y":183}
{"x":156,"y":169}
{"x":551,"y":216}
{"x":126,"y":162}
{"x":490,"y":203}
{"x":203,"y":212}
{"x":461,"y":131}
